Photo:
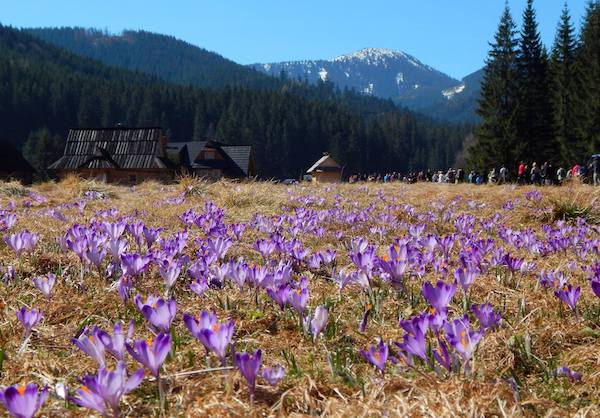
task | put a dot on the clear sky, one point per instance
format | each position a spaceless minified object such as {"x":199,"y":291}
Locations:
{"x":450,"y":35}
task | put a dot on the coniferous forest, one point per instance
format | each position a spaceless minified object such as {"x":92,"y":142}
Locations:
{"x":538,"y":104}
{"x":45,"y":90}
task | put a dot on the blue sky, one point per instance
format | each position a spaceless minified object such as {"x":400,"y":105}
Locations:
{"x":450,"y":35}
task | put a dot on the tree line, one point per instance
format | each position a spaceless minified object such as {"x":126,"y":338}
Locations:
{"x":45,"y":90}
{"x":540,"y":105}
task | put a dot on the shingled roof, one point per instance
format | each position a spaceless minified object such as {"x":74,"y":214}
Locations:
{"x":237,"y":158}
{"x":118,"y":147}
{"x":11,"y":160}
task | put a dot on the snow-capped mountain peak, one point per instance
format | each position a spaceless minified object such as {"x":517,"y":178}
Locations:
{"x":380,"y":72}
{"x":377,"y":56}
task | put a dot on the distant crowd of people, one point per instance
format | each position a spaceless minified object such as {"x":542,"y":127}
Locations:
{"x":545,"y":175}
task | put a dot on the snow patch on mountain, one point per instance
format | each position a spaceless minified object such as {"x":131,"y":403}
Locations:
{"x":451,"y":92}
{"x":323,"y":74}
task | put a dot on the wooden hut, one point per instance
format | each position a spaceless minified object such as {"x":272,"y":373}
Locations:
{"x":13,"y":166}
{"x":214,"y":160}
{"x":116,"y":155}
{"x":325,"y":170}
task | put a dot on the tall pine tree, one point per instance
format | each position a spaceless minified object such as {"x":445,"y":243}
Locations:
{"x":497,"y":142}
{"x":589,"y":81}
{"x":534,"y":115}
{"x":566,"y":103}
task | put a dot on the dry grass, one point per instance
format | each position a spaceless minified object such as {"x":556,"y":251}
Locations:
{"x":557,"y":337}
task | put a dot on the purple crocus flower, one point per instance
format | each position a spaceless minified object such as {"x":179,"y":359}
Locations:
{"x":596,"y":287}
{"x":569,"y":295}
{"x":414,"y":344}
{"x":169,"y":271}
{"x":465,"y":277}
{"x":439,"y":296}
{"x":215,"y":336}
{"x":124,"y":288}
{"x":133,"y":264}
{"x":160,"y":313}
{"x":115,"y":344}
{"x":29,"y":318}
{"x":151,"y":235}
{"x":377,"y":355}
{"x":572,"y":375}
{"x":362,"y":326}
{"x":280,"y":295}
{"x":298,"y":297}
{"x":273,"y":374}
{"x":219,"y":246}
{"x":462,"y":337}
{"x":486,"y":315}
{"x":91,"y":344}
{"x":106,"y":388}
{"x":23,"y":401}
{"x":151,"y":353}
{"x":318,"y":321}
{"x":199,"y":286}
{"x":248,"y":365}
{"x":20,"y":242}
{"x":45,"y":283}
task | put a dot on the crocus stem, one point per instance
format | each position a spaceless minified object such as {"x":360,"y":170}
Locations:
{"x":23,"y":346}
{"x":161,"y":395}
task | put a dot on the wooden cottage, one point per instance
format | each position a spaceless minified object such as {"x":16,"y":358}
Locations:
{"x":13,"y":166}
{"x":325,"y":170}
{"x":116,"y":155}
{"x":213,"y":160}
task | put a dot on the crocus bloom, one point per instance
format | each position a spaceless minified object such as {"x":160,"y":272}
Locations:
{"x":573,"y":376}
{"x":199,"y":286}
{"x":169,"y":271}
{"x":439,"y":296}
{"x":318,"y":321}
{"x":45,"y":283}
{"x":569,"y":295}
{"x":273,"y":374}
{"x":249,"y":364}
{"x":280,"y":295}
{"x":115,"y":344}
{"x":133,"y":264}
{"x":151,"y":353}
{"x":462,"y":337}
{"x":91,"y":344}
{"x":160,"y":313}
{"x":23,"y":241}
{"x":465,"y":277}
{"x":596,"y":287}
{"x":486,"y":315}
{"x":23,"y":401}
{"x":29,"y":318}
{"x":107,"y":388}
{"x":414,"y":344}
{"x":213,"y":335}
{"x":377,"y":355}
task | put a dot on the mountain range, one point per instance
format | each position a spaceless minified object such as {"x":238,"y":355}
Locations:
{"x":375,"y":72}
{"x":387,"y":73}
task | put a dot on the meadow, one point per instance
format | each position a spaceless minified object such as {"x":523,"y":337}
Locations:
{"x":258,"y":299}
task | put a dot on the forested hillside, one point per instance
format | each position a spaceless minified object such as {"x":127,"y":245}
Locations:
{"x":537,"y":105}
{"x":45,"y":90}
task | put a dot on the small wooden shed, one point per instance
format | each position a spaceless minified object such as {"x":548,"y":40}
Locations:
{"x":325,"y":170}
{"x":13,"y":166}
{"x":116,"y":155}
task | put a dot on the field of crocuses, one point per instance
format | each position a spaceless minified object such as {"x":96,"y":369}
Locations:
{"x":225,"y":299}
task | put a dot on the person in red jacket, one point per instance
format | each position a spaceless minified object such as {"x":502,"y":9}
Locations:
{"x":521,"y":173}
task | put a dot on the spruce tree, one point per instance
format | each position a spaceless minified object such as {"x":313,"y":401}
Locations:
{"x":534,"y":116}
{"x":497,"y":142}
{"x":589,"y":82}
{"x":565,"y":100}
